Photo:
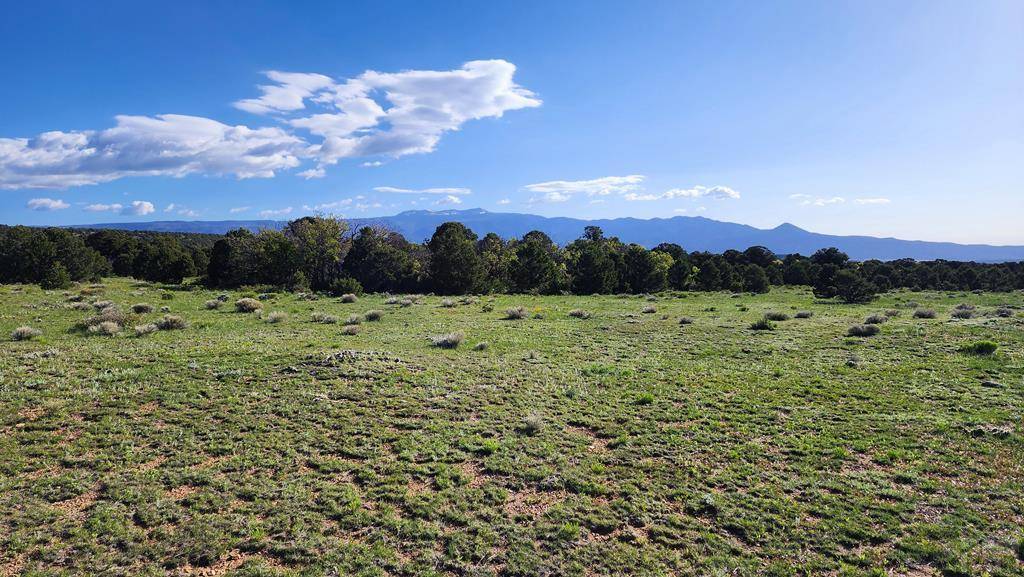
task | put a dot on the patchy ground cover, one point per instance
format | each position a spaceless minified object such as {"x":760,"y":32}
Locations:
{"x":616,"y":440}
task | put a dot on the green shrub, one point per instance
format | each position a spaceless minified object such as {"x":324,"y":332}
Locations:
{"x":804,"y":314}
{"x":213,"y":304}
{"x":649,"y":309}
{"x":56,"y":277}
{"x":481,"y":346}
{"x":685,"y":321}
{"x":763,"y":324}
{"x":350,"y":330}
{"x":142,"y":308}
{"x":875,"y":319}
{"x":579,"y":314}
{"x":353,"y":320}
{"x":349,"y":298}
{"x":645,"y":399}
{"x":532,"y":425}
{"x":980,"y":348}
{"x":776,"y":316}
{"x":171,"y":323}
{"x":373,"y":315}
{"x":323,"y":318}
{"x":924,"y":314}
{"x":346,"y":286}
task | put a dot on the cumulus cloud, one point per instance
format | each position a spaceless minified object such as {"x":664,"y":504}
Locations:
{"x":165,"y":145}
{"x":562,"y":190}
{"x":46,"y":204}
{"x":276,"y":212}
{"x":447,"y":191}
{"x":872,"y":200}
{"x":373,"y":114}
{"x":135,"y":208}
{"x":390,"y":114}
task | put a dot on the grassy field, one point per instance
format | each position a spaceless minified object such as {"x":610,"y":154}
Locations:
{"x":623,"y":443}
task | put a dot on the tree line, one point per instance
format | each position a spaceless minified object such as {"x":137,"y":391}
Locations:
{"x":323,"y":254}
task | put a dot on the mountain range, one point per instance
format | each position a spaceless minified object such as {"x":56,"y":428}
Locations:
{"x":694,"y":233}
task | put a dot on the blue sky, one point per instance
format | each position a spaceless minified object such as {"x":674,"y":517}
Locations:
{"x":888,"y":119}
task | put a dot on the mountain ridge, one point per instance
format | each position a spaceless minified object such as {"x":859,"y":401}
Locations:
{"x":694,"y":233}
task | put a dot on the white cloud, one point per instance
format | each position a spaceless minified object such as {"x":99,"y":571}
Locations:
{"x":46,"y":204}
{"x":328,"y":205}
{"x":449,"y":199}
{"x":716,"y":192}
{"x":165,"y":145}
{"x":372,"y":164}
{"x":103,"y":207}
{"x":318,"y":172}
{"x":447,"y":191}
{"x":138,"y":208}
{"x":277,"y":212}
{"x":632,"y":196}
{"x":808,"y":200}
{"x":374,"y":114}
{"x":504,"y":201}
{"x":562,"y":190}
{"x":135,"y":208}
{"x":291,"y":89}
{"x":872,"y":200}
{"x":238,"y":209}
{"x":391,"y":114}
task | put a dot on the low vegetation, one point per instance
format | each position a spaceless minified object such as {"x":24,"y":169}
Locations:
{"x":623,"y":445}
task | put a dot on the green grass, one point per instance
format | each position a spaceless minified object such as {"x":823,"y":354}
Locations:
{"x":622,"y":443}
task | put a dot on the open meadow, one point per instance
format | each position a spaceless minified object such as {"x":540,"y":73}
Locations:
{"x":439,"y":437}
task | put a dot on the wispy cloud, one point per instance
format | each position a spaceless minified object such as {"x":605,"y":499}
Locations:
{"x":716,"y":192}
{"x":238,"y":209}
{"x":504,"y":201}
{"x":181,"y":210}
{"x":808,"y":200}
{"x":450,"y":199}
{"x":563,"y":190}
{"x":328,"y":205}
{"x":46,"y":204}
{"x":448,"y":191}
{"x":872,"y":200}
{"x":276,"y":212}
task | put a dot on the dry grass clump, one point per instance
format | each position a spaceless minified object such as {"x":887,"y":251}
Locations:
{"x":924,"y":314}
{"x":143,"y":330}
{"x":649,"y":309}
{"x":248,"y":305}
{"x":373,"y":315}
{"x":804,"y":314}
{"x":213,"y":304}
{"x":481,"y":346}
{"x":515,"y":313}
{"x":25,"y":333}
{"x":81,"y":306}
{"x":277,"y":317}
{"x":579,"y":314}
{"x":349,"y":298}
{"x":532,"y":425}
{"x":962,"y":313}
{"x":100,"y":305}
{"x":106,"y":328}
{"x":776,"y":316}
{"x":863,"y":331}
{"x":875,"y":319}
{"x":763,"y":324}
{"x":447,"y":303}
{"x":685,"y":321}
{"x":391,"y":301}
{"x":353,"y":320}
{"x":142,"y":308}
{"x":406,"y":302}
{"x":448,"y":341}
{"x":1004,"y":312}
{"x":110,"y":314}
{"x":171,"y":322}
{"x":323,"y":318}
{"x":892,"y":313}
{"x":350,"y":330}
